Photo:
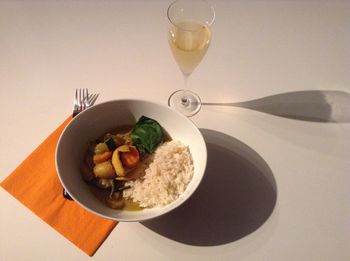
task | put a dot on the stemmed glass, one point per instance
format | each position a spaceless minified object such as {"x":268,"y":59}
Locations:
{"x":189,"y":38}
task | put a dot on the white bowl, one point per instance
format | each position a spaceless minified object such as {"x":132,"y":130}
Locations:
{"x":99,"y":119}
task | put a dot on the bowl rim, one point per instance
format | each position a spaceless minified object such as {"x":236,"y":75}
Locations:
{"x":129,"y":100}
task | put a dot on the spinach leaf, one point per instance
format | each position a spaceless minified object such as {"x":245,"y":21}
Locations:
{"x":147,"y":135}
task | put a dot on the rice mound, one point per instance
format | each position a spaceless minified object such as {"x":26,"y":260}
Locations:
{"x":166,"y":177}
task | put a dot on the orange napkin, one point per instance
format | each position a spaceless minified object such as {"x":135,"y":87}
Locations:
{"x":35,"y":183}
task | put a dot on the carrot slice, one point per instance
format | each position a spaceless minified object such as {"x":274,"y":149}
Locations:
{"x":130,"y":158}
{"x":99,"y":158}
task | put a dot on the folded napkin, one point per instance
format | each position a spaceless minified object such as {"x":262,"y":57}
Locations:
{"x":35,"y":183}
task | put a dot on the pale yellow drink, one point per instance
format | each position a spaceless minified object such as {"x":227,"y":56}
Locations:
{"x":189,"y":42}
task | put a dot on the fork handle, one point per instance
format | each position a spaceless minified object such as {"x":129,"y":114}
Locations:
{"x":66,"y":195}
{"x":75,"y":113}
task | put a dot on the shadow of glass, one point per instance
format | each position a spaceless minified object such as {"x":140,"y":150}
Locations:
{"x":236,"y":196}
{"x":316,"y":105}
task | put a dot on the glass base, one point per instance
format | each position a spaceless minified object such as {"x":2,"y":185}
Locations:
{"x":186,"y":102}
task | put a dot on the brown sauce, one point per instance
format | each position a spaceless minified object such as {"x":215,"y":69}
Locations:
{"x":103,"y":194}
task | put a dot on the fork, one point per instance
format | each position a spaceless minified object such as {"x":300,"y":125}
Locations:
{"x":82,"y":101}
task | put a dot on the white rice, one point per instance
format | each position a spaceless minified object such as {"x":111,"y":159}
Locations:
{"x":166,"y":177}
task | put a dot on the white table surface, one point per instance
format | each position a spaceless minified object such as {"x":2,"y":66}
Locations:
{"x":119,"y":50}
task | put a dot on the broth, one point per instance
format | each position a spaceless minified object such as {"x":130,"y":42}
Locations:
{"x":104,"y":194}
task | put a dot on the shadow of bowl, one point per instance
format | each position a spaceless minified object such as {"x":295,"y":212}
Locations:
{"x":236,"y":196}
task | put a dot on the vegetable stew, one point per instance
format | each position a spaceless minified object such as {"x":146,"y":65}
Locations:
{"x":119,"y":156}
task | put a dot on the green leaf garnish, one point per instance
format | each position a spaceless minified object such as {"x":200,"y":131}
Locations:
{"x":147,"y":135}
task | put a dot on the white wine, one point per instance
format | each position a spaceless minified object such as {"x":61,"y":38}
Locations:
{"x":189,"y":42}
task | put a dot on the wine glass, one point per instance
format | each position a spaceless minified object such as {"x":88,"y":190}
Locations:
{"x":189,"y":38}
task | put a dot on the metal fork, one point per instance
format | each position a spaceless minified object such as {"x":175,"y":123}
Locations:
{"x":82,"y":101}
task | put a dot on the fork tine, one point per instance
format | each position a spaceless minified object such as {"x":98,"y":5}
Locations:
{"x":76,"y":97}
{"x":86,"y":98}
{"x":92,"y":99}
{"x":82,"y":99}
{"x":79,"y":97}
{"x":83,"y":104}
{"x":75,"y":101}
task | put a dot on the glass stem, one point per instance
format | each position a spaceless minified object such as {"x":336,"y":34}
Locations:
{"x":184,"y":99}
{"x":186,"y":76}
